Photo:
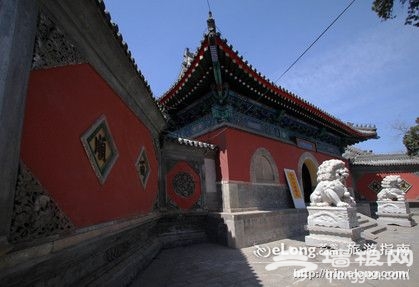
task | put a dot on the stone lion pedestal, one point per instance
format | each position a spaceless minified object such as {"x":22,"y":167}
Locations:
{"x":332,"y":219}
{"x":334,"y":227}
{"x":394,"y":212}
{"x":391,"y":205}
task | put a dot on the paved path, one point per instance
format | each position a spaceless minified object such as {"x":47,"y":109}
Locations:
{"x":215,"y":265}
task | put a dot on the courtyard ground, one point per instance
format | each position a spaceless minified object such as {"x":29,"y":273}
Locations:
{"x":395,"y":262}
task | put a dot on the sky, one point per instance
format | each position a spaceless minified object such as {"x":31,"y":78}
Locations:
{"x":362,"y":70}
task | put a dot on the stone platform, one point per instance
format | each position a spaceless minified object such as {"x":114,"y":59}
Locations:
{"x":394,"y":212}
{"x":334,"y":227}
{"x":244,"y":229}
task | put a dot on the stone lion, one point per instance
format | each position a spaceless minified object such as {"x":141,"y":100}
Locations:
{"x":331,"y":189}
{"x":391,"y":189}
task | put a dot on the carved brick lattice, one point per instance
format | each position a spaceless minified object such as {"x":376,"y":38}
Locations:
{"x":35,"y":215}
{"x":183,"y":184}
{"x":52,"y":47}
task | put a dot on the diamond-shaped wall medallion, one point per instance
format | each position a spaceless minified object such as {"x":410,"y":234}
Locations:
{"x":375,"y":186}
{"x":405,"y":186}
{"x":100,"y":148}
{"x":143,"y":167}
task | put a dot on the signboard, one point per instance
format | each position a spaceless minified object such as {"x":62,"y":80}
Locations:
{"x":294,"y":186}
{"x":306,"y":144}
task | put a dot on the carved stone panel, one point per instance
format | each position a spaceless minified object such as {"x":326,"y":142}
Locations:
{"x":340,"y":217}
{"x":392,"y":207}
{"x":35,"y":214}
{"x":334,"y":227}
{"x":395,"y":213}
{"x":52,"y":47}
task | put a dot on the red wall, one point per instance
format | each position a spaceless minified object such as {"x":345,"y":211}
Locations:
{"x":241,"y":145}
{"x":366,"y":193}
{"x":62,"y":104}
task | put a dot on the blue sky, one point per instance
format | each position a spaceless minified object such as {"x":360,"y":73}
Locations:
{"x":362,"y":70}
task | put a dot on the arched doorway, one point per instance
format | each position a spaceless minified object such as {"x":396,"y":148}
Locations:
{"x":307,"y":172}
{"x":306,"y":181}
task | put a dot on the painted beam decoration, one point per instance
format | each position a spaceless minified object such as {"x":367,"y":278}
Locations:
{"x":294,"y":186}
{"x":100,"y":148}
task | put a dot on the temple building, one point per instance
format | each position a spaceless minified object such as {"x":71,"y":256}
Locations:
{"x":98,"y":176}
{"x":260,"y":130}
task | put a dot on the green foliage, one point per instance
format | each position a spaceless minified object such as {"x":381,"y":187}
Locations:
{"x":384,"y":10}
{"x":411,"y":139}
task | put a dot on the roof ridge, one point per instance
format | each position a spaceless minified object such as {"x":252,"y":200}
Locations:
{"x":118,"y":36}
{"x":284,"y":90}
{"x":277,"y":90}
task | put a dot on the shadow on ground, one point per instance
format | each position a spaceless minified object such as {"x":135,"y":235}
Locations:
{"x":203,"y":264}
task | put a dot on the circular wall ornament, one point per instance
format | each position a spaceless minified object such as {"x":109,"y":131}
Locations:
{"x":183,"y":185}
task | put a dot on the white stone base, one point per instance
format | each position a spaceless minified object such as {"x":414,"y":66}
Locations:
{"x":334,"y":227}
{"x":392,"y":207}
{"x":330,"y":216}
{"x":394,"y":212}
{"x":336,"y":238}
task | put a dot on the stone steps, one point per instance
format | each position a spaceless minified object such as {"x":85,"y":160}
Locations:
{"x":362,"y":220}
{"x":370,"y":227}
{"x":377,"y":229}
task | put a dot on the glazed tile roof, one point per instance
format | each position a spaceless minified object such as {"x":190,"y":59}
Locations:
{"x":192,"y":143}
{"x":385,"y":160}
{"x":352,"y":152}
{"x":360,"y":157}
{"x":198,"y":79}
